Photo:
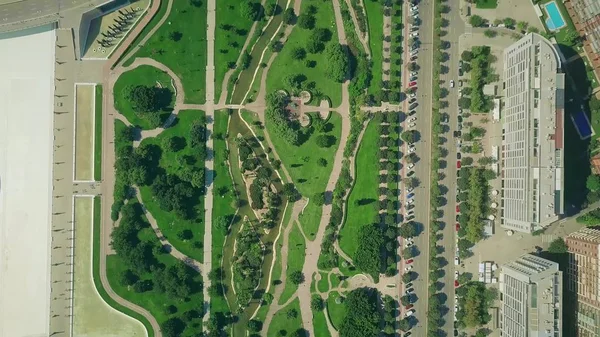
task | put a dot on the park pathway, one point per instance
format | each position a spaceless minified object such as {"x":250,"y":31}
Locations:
{"x":362,"y":37}
{"x":108,"y":161}
{"x":210,"y":155}
{"x":314,"y":247}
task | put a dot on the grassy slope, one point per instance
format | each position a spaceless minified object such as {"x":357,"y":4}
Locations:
{"x":284,"y":65}
{"x":96,"y":271}
{"x":143,"y":75}
{"x":186,"y":57}
{"x":309,"y":177}
{"x":281,"y":322}
{"x":365,"y":187}
{"x":152,"y":300}
{"x":375,"y":20}
{"x":228,"y":12}
{"x":222,"y":205}
{"x":98,"y":134}
{"x":335,"y":311}
{"x":320,"y":324}
{"x":295,"y":261}
{"x":169,"y":223}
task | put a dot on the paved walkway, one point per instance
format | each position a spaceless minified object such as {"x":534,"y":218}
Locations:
{"x":362,"y":37}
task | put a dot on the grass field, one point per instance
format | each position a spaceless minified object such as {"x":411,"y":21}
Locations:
{"x":302,"y":165}
{"x":228,"y":43}
{"x":335,"y":311}
{"x":169,"y":223}
{"x":92,"y":316}
{"x":222,"y":202}
{"x":375,"y":21}
{"x":323,"y":283}
{"x":180,"y":44}
{"x":284,"y":65}
{"x":142,"y":75}
{"x":162,"y":9}
{"x":320,"y":324}
{"x":96,"y":271}
{"x":281,"y":322}
{"x":295,"y":261}
{"x":362,"y":202}
{"x":98,"y":134}
{"x":486,"y":4}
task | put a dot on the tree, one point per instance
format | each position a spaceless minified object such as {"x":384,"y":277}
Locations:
{"x":411,"y":182}
{"x":464,"y":102}
{"x":146,"y":99}
{"x":254,"y":325}
{"x":466,"y":56}
{"x":319,"y":198}
{"x":175,"y":36}
{"x":371,"y":242}
{"x":490,"y":33}
{"x":185,"y":235}
{"x":404,"y":324}
{"x":558,"y":246}
{"x":250,"y":10}
{"x":408,"y":253}
{"x":291,"y":313}
{"x":317,"y":303}
{"x":306,"y":21}
{"x":466,"y":161}
{"x":408,"y":230}
{"x":409,"y":136}
{"x":272,"y":9}
{"x":509,"y":22}
{"x":337,"y":62}
{"x":405,"y":300}
{"x":522,"y":26}
{"x":325,"y":140}
{"x":408,"y":277}
{"x":322,"y":162}
{"x":298,"y":53}
{"x":128,"y":278}
{"x":297,"y":277}
{"x":593,"y":182}
{"x":362,"y":317}
{"x":476,"y":21}
{"x":172,"y":327}
{"x":289,"y":17}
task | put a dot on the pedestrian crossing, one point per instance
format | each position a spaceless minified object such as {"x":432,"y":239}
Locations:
{"x":547,"y":238}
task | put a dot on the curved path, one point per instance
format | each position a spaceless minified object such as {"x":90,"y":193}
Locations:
{"x":108,"y":161}
{"x":362,"y":37}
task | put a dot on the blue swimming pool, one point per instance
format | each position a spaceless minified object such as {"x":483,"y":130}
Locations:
{"x":555,"y":20}
{"x":582,"y":124}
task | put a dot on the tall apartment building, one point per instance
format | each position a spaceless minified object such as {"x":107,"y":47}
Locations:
{"x":531,"y":295}
{"x":532,"y":142}
{"x":584,"y":280}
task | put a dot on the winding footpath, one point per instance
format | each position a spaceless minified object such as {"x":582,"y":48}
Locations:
{"x":314,"y":247}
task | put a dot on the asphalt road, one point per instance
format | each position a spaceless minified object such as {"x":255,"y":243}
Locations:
{"x":455,"y":28}
{"x":422,"y":167}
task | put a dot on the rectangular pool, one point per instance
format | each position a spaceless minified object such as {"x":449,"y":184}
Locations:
{"x":582,"y":124}
{"x":555,"y":19}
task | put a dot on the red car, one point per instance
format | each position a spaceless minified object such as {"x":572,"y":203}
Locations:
{"x":412,"y":84}
{"x":457,"y":226}
{"x":456,"y":284}
{"x":458,"y":164}
{"x":408,"y":307}
{"x":409,"y":261}
{"x":457,"y":209}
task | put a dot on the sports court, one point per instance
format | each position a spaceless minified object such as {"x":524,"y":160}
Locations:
{"x":26,"y":140}
{"x":582,"y":124}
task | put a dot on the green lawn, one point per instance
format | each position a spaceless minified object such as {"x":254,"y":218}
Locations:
{"x":281,"y":322}
{"x":362,"y":202}
{"x":223,"y":198}
{"x":486,"y":4}
{"x":228,"y":43}
{"x":320,"y":324}
{"x":169,"y":223}
{"x":307,"y":175}
{"x":284,"y":65}
{"x":295,"y":261}
{"x":96,"y":271}
{"x":335,"y":280}
{"x":98,"y":134}
{"x":152,"y":300}
{"x":186,"y":56}
{"x":375,"y":20}
{"x":142,"y":75}
{"x":162,"y":9}
{"x":336,"y":312}
{"x":323,"y":283}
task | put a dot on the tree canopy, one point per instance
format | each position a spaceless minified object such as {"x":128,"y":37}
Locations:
{"x":337,"y":62}
{"x":362,"y":314}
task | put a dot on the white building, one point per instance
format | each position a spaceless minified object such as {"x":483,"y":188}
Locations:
{"x":532,"y":142}
{"x":531,"y":295}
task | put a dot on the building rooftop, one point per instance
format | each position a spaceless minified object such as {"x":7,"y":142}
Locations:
{"x":530,"y":268}
{"x":586,"y":234}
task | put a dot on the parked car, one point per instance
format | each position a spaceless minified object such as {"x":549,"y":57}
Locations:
{"x":412,"y":100}
{"x":413,"y":58}
{"x":459,"y":119}
{"x":456,"y":274}
{"x":413,"y":78}
{"x":457,"y":226}
{"x":414,"y":105}
{"x":409,"y":261}
{"x":408,"y":285}
{"x":411,"y":172}
{"x":458,"y":155}
{"x":408,"y":268}
{"x":458,"y":164}
{"x":412,"y":84}
{"x":410,"y":195}
{"x":411,"y":112}
{"x":410,"y":189}
{"x":413,"y":119}
{"x":411,"y":165}
{"x":460,"y":83}
{"x":408,"y":307}
{"x":456,"y":261}
{"x":445,"y":118}
{"x":413,"y":73}
{"x":457,"y":209}
{"x":412,"y":125}
{"x":409,"y":313}
{"x":451,"y":83}
{"x":456,"y":284}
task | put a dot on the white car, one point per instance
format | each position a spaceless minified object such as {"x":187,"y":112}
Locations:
{"x":412,"y":125}
{"x":412,"y":119}
{"x":408,"y":268}
{"x":414,"y":34}
{"x":410,"y":189}
{"x":411,"y":150}
{"x":456,"y":261}
{"x":451,"y":83}
{"x":410,"y":312}
{"x":410,"y":201}
{"x":413,"y":73}
{"x":413,"y":95}
{"x":456,"y":274}
{"x":410,"y":166}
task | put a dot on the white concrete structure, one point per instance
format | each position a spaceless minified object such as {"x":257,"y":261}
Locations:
{"x":531,"y":294}
{"x":532,"y":142}
{"x":26,"y":139}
